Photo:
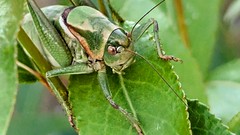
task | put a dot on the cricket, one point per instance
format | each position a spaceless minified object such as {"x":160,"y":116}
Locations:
{"x":82,"y":40}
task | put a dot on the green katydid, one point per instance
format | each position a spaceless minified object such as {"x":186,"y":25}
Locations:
{"x":89,"y":44}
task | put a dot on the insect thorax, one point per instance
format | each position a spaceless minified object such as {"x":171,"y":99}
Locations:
{"x":93,"y":27}
{"x":73,"y":44}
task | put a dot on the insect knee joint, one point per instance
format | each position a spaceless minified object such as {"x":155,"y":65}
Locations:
{"x":113,"y":104}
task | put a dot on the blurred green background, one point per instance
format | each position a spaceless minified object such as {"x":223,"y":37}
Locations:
{"x":37,"y":111}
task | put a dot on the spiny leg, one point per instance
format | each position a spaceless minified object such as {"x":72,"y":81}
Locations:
{"x":80,"y":68}
{"x":102,"y":78}
{"x":137,"y":32}
{"x":159,"y":46}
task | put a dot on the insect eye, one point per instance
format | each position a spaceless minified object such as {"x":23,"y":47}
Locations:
{"x":112,"y":50}
{"x":120,"y":49}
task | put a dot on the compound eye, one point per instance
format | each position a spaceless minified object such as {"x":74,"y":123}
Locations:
{"x":120,"y":49}
{"x":112,"y":50}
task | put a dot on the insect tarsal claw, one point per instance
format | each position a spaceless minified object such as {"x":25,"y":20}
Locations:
{"x":170,"y":57}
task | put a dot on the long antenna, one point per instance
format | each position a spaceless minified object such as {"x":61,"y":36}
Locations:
{"x":145,"y":15}
{"x":159,"y":74}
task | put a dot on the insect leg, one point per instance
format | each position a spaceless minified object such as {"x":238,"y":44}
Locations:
{"x":102,"y":78}
{"x":80,"y":68}
{"x":159,"y":46}
{"x":139,"y":31}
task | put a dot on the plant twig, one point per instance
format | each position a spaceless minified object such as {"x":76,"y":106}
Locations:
{"x":36,"y":74}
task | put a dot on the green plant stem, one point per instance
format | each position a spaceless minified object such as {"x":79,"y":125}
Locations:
{"x":34,"y":73}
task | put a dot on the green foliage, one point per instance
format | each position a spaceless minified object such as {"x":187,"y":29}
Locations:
{"x":157,"y":108}
{"x":234,"y":124}
{"x":203,"y":122}
{"x":11,"y":14}
{"x":147,"y":92}
{"x":33,"y":116}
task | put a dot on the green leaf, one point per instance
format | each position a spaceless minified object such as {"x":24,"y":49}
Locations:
{"x":224,"y":98}
{"x":202,"y":23}
{"x":11,"y":14}
{"x":188,"y":71}
{"x":234,"y":124}
{"x":201,"y":26}
{"x":158,"y":109}
{"x":203,"y":122}
{"x":171,"y":40}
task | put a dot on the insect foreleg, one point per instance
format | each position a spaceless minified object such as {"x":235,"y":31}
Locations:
{"x":102,"y":78}
{"x":139,"y":31}
{"x":159,"y":46}
{"x":80,"y":68}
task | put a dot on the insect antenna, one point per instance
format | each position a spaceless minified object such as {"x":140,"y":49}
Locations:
{"x":159,"y":74}
{"x":145,"y":15}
